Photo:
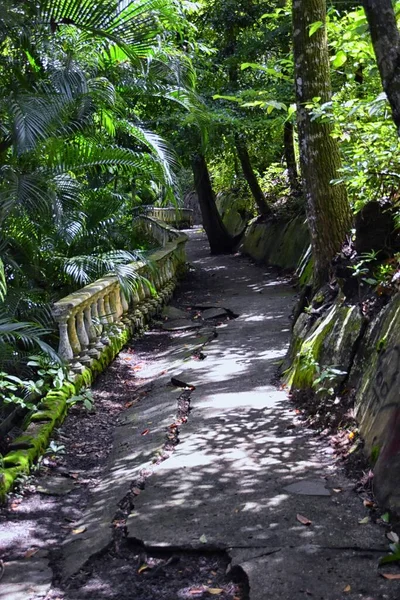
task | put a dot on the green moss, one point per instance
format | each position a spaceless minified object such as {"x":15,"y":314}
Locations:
{"x":375,"y":451}
{"x":301,"y":373}
{"x":53,"y":408}
{"x":307,"y":273}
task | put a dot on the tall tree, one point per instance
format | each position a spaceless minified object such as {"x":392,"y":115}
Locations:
{"x":386,"y":41}
{"x":327,"y":205}
{"x":218,"y":237}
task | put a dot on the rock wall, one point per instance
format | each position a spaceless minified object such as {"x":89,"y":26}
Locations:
{"x":363,"y":358}
{"x":376,"y":375}
{"x":279,"y":243}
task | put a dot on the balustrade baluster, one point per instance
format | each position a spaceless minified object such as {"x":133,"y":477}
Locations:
{"x":64,"y":346}
{"x":103,"y":320}
{"x":73,"y":336}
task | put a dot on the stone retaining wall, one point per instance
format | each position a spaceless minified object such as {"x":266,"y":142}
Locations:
{"x":95,"y":323}
{"x":278,"y":243}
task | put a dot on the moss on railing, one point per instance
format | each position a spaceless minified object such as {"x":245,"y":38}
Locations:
{"x":95,"y":323}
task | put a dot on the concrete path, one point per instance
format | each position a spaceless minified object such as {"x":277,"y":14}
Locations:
{"x":245,"y":469}
{"x":246,"y":478}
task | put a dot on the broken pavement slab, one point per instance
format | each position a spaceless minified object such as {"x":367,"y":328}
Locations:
{"x":181,"y":324}
{"x":173,"y":313}
{"x":214,"y":313}
{"x":35,"y":583}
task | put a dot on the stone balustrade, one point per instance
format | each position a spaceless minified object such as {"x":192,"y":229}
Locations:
{"x":180,"y":217}
{"x":90,"y":318}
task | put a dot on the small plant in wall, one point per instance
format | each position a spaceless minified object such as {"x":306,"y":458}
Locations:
{"x":14,"y":390}
{"x":51,"y":374}
{"x":326,"y":379}
{"x":85,"y":398}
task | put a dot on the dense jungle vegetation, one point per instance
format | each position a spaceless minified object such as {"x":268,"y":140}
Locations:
{"x":108,"y":105}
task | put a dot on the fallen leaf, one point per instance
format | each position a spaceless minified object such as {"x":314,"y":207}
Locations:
{"x":347,"y":588}
{"x":391,"y":575}
{"x":364,"y":521}
{"x":385,"y":518}
{"x":196,"y":591}
{"x":393,"y":537}
{"x":31,"y":552}
{"x":129,"y":404}
{"x":145,"y":432}
{"x":368,"y":504}
{"x":143,"y":568}
{"x":136,"y":491}
{"x":337,"y":490}
{"x":303,"y":520}
{"x":203,"y":539}
{"x":215,"y":591}
{"x":74,"y":475}
{"x":79,"y":530}
{"x":351,"y":435}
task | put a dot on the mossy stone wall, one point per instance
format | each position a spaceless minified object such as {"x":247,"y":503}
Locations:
{"x":278,"y":243}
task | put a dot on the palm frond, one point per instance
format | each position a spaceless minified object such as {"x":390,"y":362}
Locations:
{"x":87,"y":268}
{"x":26,"y":333}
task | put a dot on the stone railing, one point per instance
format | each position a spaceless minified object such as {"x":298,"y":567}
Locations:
{"x":90,"y":318}
{"x":180,"y":217}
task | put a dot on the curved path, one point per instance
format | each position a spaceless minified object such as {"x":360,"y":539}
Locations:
{"x":246,"y":472}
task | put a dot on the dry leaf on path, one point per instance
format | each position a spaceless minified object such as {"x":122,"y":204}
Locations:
{"x":364,"y":521}
{"x":31,"y":552}
{"x":143,"y":568}
{"x":347,"y":588}
{"x":79,"y":530}
{"x":391,"y":575}
{"x":303,"y":520}
{"x":203,"y":539}
{"x":215,"y":591}
{"x":393,"y":537}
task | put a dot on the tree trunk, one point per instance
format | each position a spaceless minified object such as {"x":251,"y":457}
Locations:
{"x":250,"y":177}
{"x":386,"y":42}
{"x":290,"y":157}
{"x":219,"y":239}
{"x":328,"y":210}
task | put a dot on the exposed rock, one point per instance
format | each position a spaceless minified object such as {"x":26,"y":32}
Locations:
{"x":376,"y":373}
{"x":375,"y":229}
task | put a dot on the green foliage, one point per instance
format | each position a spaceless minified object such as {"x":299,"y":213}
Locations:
{"x":85,"y":398}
